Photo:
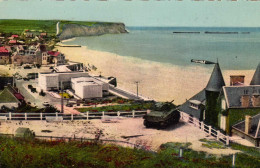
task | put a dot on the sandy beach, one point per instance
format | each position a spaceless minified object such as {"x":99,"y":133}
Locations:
{"x":160,"y":81}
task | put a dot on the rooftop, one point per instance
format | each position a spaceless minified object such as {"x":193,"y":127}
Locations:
{"x":216,"y":81}
{"x":199,"y":97}
{"x":233,"y":94}
{"x":3,"y":50}
{"x":256,"y":78}
{"x":254,"y":123}
{"x":7,"y":97}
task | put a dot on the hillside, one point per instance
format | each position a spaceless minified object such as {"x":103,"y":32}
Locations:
{"x":67,"y":29}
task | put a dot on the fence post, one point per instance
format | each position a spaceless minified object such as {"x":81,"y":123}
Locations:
{"x":133,"y":113}
{"x":180,"y":152}
{"x":202,"y":126}
{"x":118,"y":113}
{"x":218,"y":133}
{"x":227,"y":140}
{"x":72,"y":117}
{"x":56,"y":116}
{"x":103,"y":114}
{"x":41,"y":116}
{"x":10,"y":116}
{"x":209,"y":130}
{"x":25,"y":116}
{"x":87,"y":115}
{"x":233,"y":160}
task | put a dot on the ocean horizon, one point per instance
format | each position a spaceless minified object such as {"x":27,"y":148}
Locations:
{"x":159,"y":44}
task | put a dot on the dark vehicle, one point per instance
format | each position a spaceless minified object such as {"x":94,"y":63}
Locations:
{"x":162,"y":115}
{"x":27,"y":67}
{"x":69,"y":105}
{"x":26,"y":79}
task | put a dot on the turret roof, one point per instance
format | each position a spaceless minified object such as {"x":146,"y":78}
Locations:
{"x":256,"y":78}
{"x":216,"y":81}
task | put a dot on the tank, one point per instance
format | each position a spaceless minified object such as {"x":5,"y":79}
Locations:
{"x":162,"y":115}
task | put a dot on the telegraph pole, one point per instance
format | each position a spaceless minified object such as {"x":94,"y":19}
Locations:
{"x":137,"y":82}
{"x":61,"y":97}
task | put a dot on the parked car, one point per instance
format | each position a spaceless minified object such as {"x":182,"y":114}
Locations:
{"x":69,"y":105}
{"x":26,"y":79}
{"x":27,"y":67}
{"x":46,"y":103}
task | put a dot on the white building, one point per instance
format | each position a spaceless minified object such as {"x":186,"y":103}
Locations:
{"x":51,"y":81}
{"x":88,"y":90}
{"x":74,"y":81}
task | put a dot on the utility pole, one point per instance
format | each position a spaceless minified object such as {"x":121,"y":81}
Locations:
{"x":61,"y":97}
{"x":137,"y":82}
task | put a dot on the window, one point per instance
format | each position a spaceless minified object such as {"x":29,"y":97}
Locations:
{"x":223,"y":104}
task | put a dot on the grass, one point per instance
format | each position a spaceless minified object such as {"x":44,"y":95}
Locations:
{"x":212,"y":144}
{"x":18,"y":26}
{"x":125,"y":107}
{"x":37,"y":153}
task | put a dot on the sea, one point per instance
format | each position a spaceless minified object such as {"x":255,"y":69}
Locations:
{"x":234,"y":51}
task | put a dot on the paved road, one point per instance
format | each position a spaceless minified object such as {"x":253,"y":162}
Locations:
{"x":36,"y":99}
{"x":120,"y":92}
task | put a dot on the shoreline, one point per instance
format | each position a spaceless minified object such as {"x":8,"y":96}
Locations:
{"x":159,"y":81}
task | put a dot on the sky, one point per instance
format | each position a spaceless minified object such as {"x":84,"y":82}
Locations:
{"x":225,"y":13}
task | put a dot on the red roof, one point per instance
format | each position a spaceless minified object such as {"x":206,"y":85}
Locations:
{"x":19,"y":96}
{"x":53,"y":53}
{"x":15,"y":35}
{"x":12,"y":41}
{"x":3,"y":50}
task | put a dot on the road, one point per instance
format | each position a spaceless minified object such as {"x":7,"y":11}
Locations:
{"x":34,"y":98}
{"x":57,"y":28}
{"x":124,"y":94}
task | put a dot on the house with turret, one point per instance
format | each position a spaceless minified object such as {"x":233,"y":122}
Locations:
{"x":234,"y":109}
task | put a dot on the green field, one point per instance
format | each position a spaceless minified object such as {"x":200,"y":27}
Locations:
{"x":26,"y":153}
{"x":18,"y":26}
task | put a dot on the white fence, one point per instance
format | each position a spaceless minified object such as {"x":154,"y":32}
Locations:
{"x":82,"y":116}
{"x":206,"y":128}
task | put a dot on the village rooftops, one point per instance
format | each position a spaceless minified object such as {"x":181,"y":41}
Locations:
{"x":3,"y":50}
{"x":234,"y":96}
{"x":53,"y":53}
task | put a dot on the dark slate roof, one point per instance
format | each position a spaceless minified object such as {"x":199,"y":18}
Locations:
{"x":254,"y":123}
{"x":256,"y":78}
{"x":185,"y":107}
{"x":216,"y":81}
{"x":233,"y":94}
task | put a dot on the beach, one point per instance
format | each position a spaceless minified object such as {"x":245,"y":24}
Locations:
{"x":159,"y":81}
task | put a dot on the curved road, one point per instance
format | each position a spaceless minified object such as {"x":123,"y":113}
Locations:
{"x":57,"y":28}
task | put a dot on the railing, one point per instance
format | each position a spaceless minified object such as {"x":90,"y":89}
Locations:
{"x":82,"y":116}
{"x":206,"y":128}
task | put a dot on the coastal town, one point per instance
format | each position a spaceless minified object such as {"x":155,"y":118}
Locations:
{"x":44,"y":93}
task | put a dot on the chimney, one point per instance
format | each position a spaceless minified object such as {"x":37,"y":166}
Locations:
{"x":256,"y":100}
{"x":248,"y":120}
{"x":245,"y":101}
{"x":237,"y":80}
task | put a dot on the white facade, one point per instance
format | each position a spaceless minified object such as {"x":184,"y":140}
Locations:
{"x":88,"y":90}
{"x":74,"y":81}
{"x":48,"y":81}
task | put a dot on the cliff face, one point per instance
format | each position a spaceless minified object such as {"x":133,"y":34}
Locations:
{"x":76,"y":30}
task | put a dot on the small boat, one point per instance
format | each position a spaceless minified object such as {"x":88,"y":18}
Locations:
{"x":202,"y":61}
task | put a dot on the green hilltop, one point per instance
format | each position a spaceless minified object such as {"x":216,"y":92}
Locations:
{"x":49,"y":26}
